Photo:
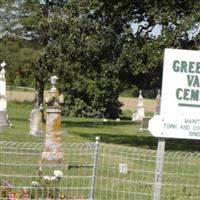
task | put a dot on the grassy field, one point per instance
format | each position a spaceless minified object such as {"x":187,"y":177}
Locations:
{"x":124,"y":133}
{"x":181,"y":177}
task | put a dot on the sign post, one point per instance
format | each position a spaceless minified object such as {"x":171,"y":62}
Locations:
{"x":159,"y":168}
{"x":180,"y":104}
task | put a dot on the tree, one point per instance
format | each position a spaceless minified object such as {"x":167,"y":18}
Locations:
{"x":92,"y":47}
{"x":33,"y":31}
{"x":142,"y":54}
{"x":89,"y":45}
{"x":20,"y":59}
{"x":96,"y":37}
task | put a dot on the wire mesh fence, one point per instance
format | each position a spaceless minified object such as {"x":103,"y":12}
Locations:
{"x":122,"y":173}
{"x":125,"y":173}
{"x":22,"y":176}
{"x":181,"y":176}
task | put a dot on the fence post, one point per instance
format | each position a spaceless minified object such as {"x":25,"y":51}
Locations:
{"x":159,"y":168}
{"x":93,"y":182}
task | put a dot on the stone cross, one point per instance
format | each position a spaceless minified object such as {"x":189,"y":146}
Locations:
{"x":4,"y":122}
{"x":52,"y":151}
{"x":138,"y":116}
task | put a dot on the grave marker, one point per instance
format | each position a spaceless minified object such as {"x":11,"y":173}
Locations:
{"x":145,"y":124}
{"x":158,"y":102}
{"x":139,"y":114}
{"x":37,"y":125}
{"x":4,"y":122}
{"x":52,"y":152}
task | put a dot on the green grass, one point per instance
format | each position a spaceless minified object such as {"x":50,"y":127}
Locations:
{"x":124,"y":133}
{"x":18,"y":88}
{"x":120,"y":134}
{"x":74,"y":129}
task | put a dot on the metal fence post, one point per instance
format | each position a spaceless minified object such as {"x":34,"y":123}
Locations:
{"x":159,"y":168}
{"x":93,"y":182}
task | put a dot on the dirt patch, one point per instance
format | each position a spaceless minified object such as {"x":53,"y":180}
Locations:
{"x":20,"y":96}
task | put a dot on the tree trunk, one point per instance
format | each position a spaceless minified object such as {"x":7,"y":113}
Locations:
{"x":39,"y":96}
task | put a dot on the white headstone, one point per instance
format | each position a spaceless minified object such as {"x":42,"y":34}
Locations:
{"x":158,"y":102}
{"x":4,"y":122}
{"x":145,"y":123}
{"x":3,"y":102}
{"x":138,"y":116}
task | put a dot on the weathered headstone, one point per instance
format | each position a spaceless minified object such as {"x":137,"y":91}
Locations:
{"x":37,"y":125}
{"x":158,"y":101}
{"x":145,"y":120}
{"x":139,"y":114}
{"x":4,"y":122}
{"x":52,"y":151}
{"x":145,"y":123}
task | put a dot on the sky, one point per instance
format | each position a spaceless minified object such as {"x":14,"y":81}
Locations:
{"x":155,"y":32}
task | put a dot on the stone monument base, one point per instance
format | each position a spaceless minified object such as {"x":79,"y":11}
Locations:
{"x":136,"y":117}
{"x":50,"y":157}
{"x":4,"y":122}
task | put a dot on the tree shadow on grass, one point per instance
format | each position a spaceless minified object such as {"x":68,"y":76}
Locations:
{"x":148,"y":142}
{"x":91,"y":123}
{"x":183,"y":145}
{"x":21,"y":119}
{"x":139,"y":141}
{"x":143,"y":140}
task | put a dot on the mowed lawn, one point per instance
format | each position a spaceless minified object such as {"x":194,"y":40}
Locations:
{"x":124,"y":132}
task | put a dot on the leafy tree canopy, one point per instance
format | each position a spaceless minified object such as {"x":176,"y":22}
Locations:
{"x":94,"y":47}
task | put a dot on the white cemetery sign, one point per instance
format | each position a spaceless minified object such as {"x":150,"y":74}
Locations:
{"x":180,"y":105}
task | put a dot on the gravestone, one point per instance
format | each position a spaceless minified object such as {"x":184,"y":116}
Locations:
{"x":37,"y":125}
{"x":145,"y":120}
{"x":145,"y":123}
{"x":4,"y":122}
{"x":158,"y":101}
{"x":139,"y":114}
{"x":52,"y":151}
